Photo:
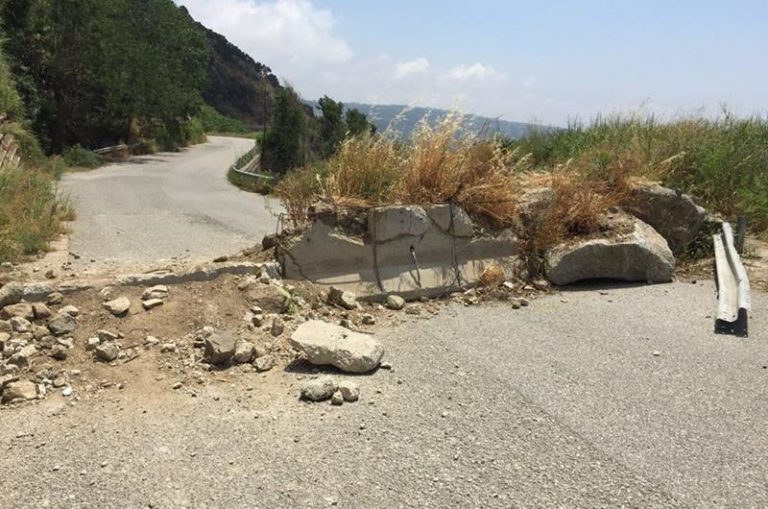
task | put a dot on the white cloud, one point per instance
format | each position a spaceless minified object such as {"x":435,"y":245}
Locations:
{"x":415,"y":66}
{"x":529,"y":81}
{"x":469,"y":72}
{"x":287,"y":35}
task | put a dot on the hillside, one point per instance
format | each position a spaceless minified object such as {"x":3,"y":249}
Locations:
{"x":404,"y":119}
{"x":235,"y":83}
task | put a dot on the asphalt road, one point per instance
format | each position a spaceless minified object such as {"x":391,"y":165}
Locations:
{"x":169,"y":206}
{"x":622,"y":398}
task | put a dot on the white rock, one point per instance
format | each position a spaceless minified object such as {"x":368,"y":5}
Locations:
{"x":324,"y":343}
{"x":119,"y":306}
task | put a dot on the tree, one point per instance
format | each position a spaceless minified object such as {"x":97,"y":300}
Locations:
{"x":357,"y":123}
{"x":332,"y":128}
{"x":284,"y":142}
{"x":91,"y":69}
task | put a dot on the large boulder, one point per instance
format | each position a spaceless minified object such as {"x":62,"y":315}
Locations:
{"x":672,"y":214}
{"x":634,"y":252}
{"x":325,"y":343}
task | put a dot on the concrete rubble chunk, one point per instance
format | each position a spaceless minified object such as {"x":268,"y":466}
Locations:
{"x":337,"y":399}
{"x":673,"y":215}
{"x":350,"y":391}
{"x":55,"y":299}
{"x":119,"y":306}
{"x":461,"y":226}
{"x":19,"y":391}
{"x":318,"y":389}
{"x":387,"y":223}
{"x":61,"y":324}
{"x":328,"y":344}
{"x":641,"y":255}
{"x":219,"y":348}
{"x":11,"y":293}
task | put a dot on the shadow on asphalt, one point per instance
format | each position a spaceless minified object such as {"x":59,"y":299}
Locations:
{"x":601,"y":284}
{"x":301,"y":366}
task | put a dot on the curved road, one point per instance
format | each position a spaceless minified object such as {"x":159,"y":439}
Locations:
{"x":166,"y":207}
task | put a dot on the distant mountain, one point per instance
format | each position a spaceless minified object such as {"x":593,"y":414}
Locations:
{"x":404,"y":119}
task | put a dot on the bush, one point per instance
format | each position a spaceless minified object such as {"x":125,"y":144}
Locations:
{"x":215,"y":123}
{"x":79,"y":157}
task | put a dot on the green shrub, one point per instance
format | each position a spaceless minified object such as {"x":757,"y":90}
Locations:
{"x":80,"y":157}
{"x":215,"y":123}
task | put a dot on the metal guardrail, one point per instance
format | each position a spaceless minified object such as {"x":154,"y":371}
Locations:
{"x":249,"y":170}
{"x":733,"y":300}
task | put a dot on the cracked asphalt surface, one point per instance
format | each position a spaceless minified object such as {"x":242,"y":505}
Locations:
{"x":168,"y":206}
{"x":618,"y":397}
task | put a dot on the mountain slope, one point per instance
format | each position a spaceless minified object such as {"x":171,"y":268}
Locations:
{"x":404,"y":119}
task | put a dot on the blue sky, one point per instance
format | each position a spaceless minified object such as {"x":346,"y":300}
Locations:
{"x":546,"y":61}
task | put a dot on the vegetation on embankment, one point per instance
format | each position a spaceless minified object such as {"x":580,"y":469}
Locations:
{"x":721,"y":162}
{"x":30,"y":213}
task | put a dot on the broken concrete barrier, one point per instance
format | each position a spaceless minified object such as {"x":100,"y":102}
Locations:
{"x":407,"y":250}
{"x":638,"y":253}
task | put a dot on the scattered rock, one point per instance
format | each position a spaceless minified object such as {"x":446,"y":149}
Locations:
{"x":151,"y":303}
{"x":395,"y":302}
{"x":67,"y":391}
{"x":55,"y":299}
{"x":270,"y":298}
{"x":243,"y":352}
{"x":166,"y":347}
{"x":118,"y":307}
{"x":20,"y":325}
{"x":639,"y":255}
{"x":264,"y":363}
{"x":219,"y":348}
{"x":62,"y":324}
{"x":155,"y":292}
{"x":11,"y":293}
{"x":21,"y":390}
{"x":21,"y":309}
{"x":350,"y":391}
{"x":70,"y":310}
{"x":343,"y":298}
{"x":59,"y":352}
{"x":107,"y":352}
{"x":318,"y":389}
{"x":368,"y":319}
{"x":105,"y":335}
{"x":278,"y":326}
{"x":41,"y":311}
{"x":91,"y":343}
{"x":337,"y":399}
{"x":324,"y":343}
{"x":22,"y":356}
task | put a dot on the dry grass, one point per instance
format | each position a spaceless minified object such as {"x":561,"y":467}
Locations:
{"x":30,"y":214}
{"x":435,"y":166}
